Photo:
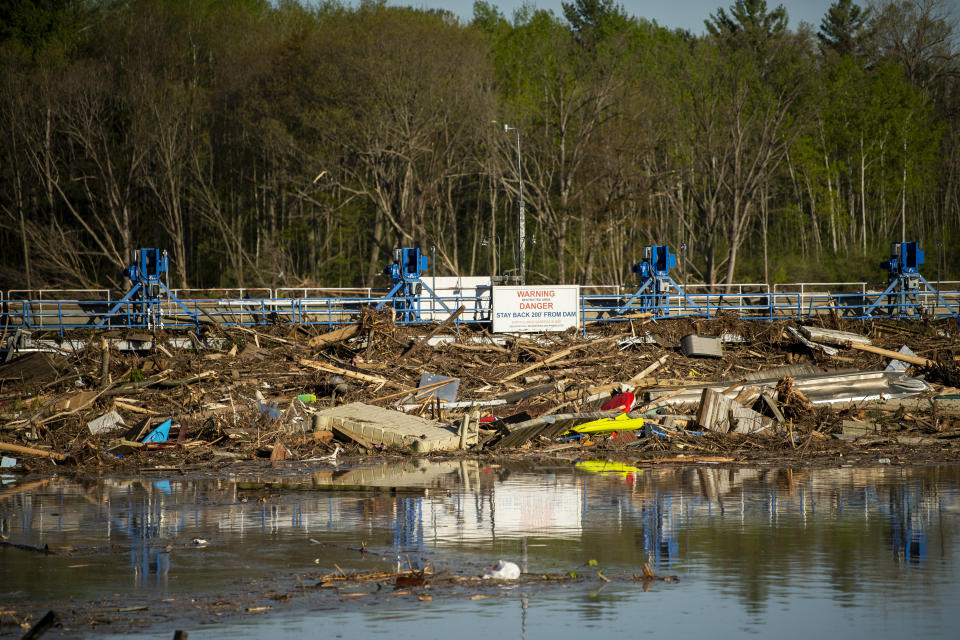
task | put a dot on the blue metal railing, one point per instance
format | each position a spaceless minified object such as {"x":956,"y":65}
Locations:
{"x":62,"y":315}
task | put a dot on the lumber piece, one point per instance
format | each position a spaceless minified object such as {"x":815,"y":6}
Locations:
{"x":363,"y":377}
{"x":556,"y":356}
{"x":29,"y":451}
{"x":896,"y":355}
{"x":332,"y":337}
{"x":437,"y":329}
{"x":479,"y":347}
{"x":134,"y":408}
{"x":643,"y":374}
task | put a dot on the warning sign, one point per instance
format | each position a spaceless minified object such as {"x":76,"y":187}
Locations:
{"x":536,"y":309}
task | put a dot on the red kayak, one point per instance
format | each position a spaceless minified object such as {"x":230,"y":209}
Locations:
{"x":621,"y":401}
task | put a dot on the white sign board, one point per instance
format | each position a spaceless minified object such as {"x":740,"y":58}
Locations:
{"x":536,"y":309}
{"x":471,"y":291}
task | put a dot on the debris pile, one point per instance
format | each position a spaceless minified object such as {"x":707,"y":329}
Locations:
{"x":655,"y":389}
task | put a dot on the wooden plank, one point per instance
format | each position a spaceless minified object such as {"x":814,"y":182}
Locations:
{"x":635,"y":380}
{"x":446,"y":323}
{"x":135,"y":409}
{"x":322,"y":366}
{"x":896,"y":355}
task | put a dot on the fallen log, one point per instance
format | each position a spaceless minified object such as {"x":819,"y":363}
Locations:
{"x":29,"y":451}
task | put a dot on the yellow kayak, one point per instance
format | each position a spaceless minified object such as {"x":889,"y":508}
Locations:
{"x":622,"y":422}
{"x":608,"y":466}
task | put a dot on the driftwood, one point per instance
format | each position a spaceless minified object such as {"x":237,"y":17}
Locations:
{"x":29,"y":451}
{"x":337,"y":335}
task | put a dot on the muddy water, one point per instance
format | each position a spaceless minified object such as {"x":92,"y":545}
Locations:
{"x":846,"y":552}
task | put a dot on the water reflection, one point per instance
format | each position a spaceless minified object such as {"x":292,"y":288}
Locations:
{"x":756,"y":533}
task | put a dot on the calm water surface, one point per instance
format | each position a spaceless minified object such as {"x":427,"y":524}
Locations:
{"x":858,"y":553}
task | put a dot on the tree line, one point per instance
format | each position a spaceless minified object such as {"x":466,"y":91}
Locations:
{"x":286,"y":143}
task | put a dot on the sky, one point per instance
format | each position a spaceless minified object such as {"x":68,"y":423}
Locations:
{"x":682,"y":14}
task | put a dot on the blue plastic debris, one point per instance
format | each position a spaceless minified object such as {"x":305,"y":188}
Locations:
{"x":653,"y":430}
{"x":271,"y":410}
{"x":160,"y":434}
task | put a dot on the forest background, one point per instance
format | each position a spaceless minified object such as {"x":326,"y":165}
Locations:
{"x":290,"y":143}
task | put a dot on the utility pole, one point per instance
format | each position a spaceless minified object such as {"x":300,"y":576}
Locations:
{"x":522,"y":236}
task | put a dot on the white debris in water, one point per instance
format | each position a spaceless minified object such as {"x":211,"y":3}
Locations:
{"x":503,"y":570}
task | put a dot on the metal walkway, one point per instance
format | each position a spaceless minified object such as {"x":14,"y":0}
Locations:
{"x":62,"y":311}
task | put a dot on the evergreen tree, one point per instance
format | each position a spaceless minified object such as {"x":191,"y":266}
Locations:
{"x":748,"y":20}
{"x":843,"y":29}
{"x":586,"y":15}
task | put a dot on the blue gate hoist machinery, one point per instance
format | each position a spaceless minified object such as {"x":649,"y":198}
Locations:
{"x":145,"y":298}
{"x":903,"y":283}
{"x":406,"y":286}
{"x":656,"y":284}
